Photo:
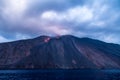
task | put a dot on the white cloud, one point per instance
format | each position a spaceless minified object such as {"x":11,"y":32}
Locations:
{"x":18,"y":37}
{"x":87,"y":20}
{"x":41,"y":26}
{"x":51,"y":15}
{"x":13,"y":10}
{"x":2,"y":39}
{"x":21,"y":36}
{"x":77,"y":14}
{"x":110,"y":38}
{"x":99,"y":24}
{"x":57,"y":30}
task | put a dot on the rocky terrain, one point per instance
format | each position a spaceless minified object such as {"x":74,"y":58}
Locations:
{"x":61,"y":52}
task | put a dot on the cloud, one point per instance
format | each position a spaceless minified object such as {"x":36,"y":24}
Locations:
{"x":2,"y":39}
{"x":77,"y":14}
{"x":13,"y":10}
{"x":109,"y":38}
{"x":20,"y":19}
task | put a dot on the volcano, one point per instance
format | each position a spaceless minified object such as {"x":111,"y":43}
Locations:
{"x":61,"y":52}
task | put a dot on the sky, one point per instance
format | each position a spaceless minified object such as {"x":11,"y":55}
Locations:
{"x":23,"y":19}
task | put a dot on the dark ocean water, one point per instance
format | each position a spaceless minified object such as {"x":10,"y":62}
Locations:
{"x":59,"y":74}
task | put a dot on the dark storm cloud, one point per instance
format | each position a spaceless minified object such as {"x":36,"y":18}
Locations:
{"x":97,"y":19}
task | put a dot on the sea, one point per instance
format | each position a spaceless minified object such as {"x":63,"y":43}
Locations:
{"x":60,"y":74}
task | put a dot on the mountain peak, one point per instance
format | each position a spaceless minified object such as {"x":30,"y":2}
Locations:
{"x":66,"y":52}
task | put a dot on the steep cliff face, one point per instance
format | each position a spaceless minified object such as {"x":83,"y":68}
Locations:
{"x":66,"y":52}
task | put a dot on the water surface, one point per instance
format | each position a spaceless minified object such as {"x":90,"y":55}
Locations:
{"x":54,"y":74}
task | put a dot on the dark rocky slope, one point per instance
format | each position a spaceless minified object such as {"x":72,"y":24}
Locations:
{"x":66,"y":52}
